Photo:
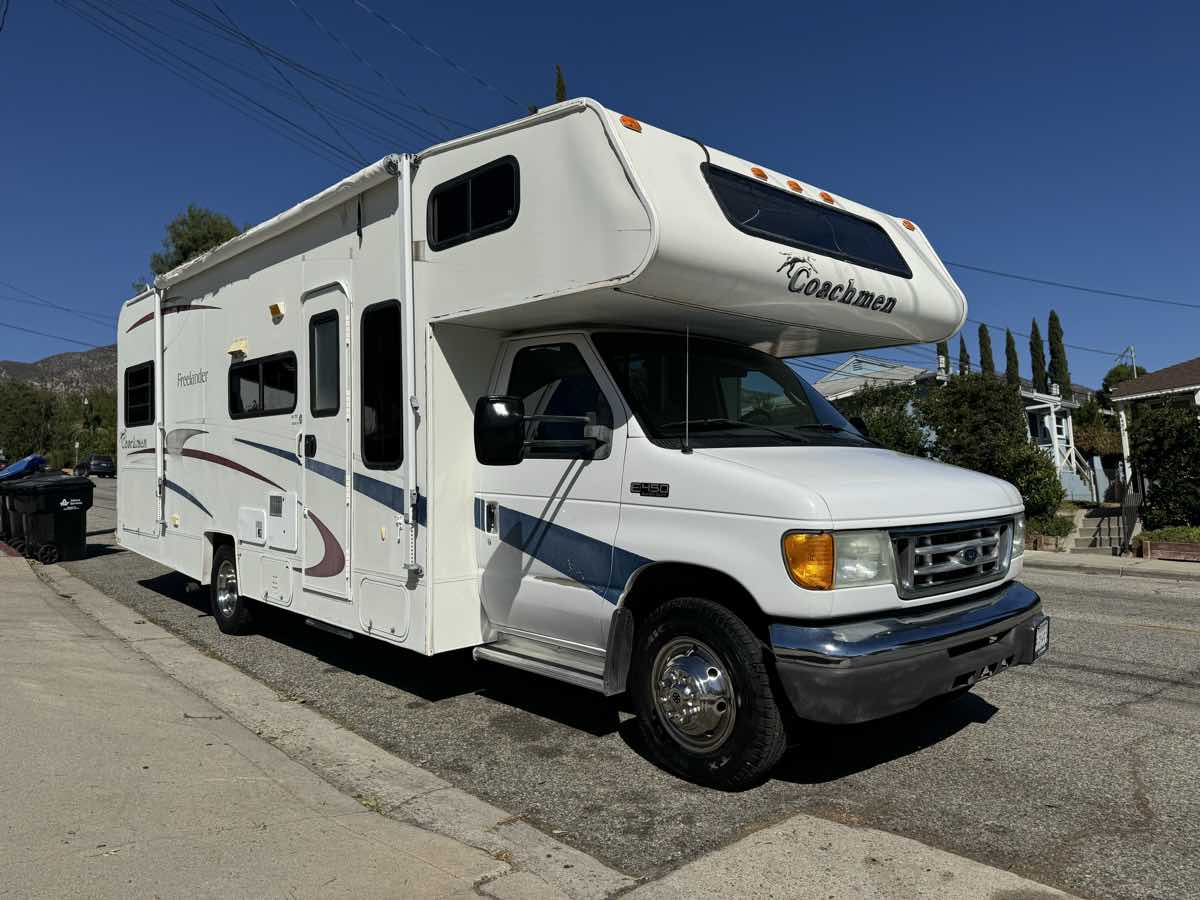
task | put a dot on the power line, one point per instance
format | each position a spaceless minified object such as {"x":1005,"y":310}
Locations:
{"x":1075,"y":287}
{"x":94,"y":320}
{"x":4,"y":14}
{"x":57,"y":337}
{"x":447,"y":60}
{"x":270,"y":62}
{"x":102,"y":319}
{"x":1045,"y":340}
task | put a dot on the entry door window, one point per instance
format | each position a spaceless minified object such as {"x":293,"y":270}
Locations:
{"x":324,"y":364}
{"x":554,"y":380}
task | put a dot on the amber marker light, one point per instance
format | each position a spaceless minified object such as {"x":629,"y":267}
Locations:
{"x":907,"y":224}
{"x":827,"y":197}
{"x":809,"y":559}
{"x":631,"y":123}
{"x":758,"y":173}
{"x":795,"y":186}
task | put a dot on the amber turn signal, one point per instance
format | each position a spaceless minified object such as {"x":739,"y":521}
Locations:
{"x":809,"y":559}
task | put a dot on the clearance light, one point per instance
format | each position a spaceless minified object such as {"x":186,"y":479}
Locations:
{"x":827,"y":197}
{"x":795,"y":186}
{"x":758,"y":173}
{"x":907,"y":224}
{"x":809,"y":559}
{"x":631,"y":123}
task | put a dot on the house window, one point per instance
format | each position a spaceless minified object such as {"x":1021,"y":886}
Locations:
{"x":139,"y":395}
{"x":324,"y":364}
{"x":481,"y":202}
{"x":382,"y":387}
{"x":262,"y":387}
{"x":768,"y":212}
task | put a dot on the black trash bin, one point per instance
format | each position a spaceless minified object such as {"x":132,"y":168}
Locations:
{"x":53,"y":513}
{"x":12,"y":526}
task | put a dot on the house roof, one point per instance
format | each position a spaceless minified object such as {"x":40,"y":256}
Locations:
{"x":860,"y":371}
{"x":1184,"y":376}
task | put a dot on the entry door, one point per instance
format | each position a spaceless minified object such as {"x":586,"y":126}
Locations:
{"x":547,"y":525}
{"x":324,"y":443}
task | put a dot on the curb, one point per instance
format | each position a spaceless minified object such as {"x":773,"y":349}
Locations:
{"x":1131,"y":569}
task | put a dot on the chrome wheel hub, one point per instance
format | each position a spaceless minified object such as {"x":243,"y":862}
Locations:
{"x":227,"y":588}
{"x":693,"y":694}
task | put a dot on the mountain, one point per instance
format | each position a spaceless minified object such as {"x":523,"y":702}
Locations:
{"x":67,"y":371}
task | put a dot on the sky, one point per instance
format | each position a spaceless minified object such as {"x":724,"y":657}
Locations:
{"x":1058,"y":141}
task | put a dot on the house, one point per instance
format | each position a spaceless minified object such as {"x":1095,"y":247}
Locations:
{"x":1048,"y":417}
{"x":1177,"y":384}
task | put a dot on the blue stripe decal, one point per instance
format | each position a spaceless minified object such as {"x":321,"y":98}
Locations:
{"x":479,"y":512}
{"x":389,"y":495}
{"x":333,"y":473}
{"x":187,"y":496}
{"x":593,"y":563}
{"x":286,"y":454}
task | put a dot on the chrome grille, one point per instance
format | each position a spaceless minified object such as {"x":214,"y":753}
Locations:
{"x":938,"y":558}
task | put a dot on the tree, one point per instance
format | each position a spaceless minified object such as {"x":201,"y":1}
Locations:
{"x":986,"y":364}
{"x":1165,"y":445}
{"x":1060,"y":373}
{"x":978,"y":423}
{"x":560,"y":85}
{"x":943,"y":352}
{"x":189,"y":234}
{"x":888,"y":412}
{"x":964,"y":358}
{"x":1117,"y":374}
{"x":1037,"y":356}
{"x":1012,"y":365}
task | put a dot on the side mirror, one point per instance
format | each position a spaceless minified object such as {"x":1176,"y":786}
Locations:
{"x":499,"y":430}
{"x":860,"y":425}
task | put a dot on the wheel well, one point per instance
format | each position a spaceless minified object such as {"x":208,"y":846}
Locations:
{"x":660,"y":582}
{"x":214,"y":539}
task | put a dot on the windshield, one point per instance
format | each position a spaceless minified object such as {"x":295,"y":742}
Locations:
{"x":739,"y":397}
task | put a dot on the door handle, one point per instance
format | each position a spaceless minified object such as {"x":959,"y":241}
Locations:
{"x":491,"y":517}
{"x":310,"y":445}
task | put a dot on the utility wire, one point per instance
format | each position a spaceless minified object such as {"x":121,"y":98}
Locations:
{"x":4,"y":13}
{"x":93,"y":320}
{"x":57,"y":337}
{"x":103,"y":319}
{"x":487,"y":85}
{"x":320,"y":26}
{"x":299,"y":93}
{"x":1045,"y":340}
{"x":1075,"y":287}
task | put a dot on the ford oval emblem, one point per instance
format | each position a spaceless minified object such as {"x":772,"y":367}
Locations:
{"x":968,"y":554}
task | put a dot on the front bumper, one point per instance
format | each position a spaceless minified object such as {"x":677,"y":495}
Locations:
{"x":869,"y":668}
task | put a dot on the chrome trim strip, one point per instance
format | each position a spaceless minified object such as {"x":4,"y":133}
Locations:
{"x":570,"y":676}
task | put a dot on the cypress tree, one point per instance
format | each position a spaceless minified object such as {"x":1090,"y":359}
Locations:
{"x":1037,"y":356}
{"x":964,"y":358}
{"x":986,"y":363}
{"x":560,"y":85}
{"x":1012,"y":365}
{"x":943,"y":352}
{"x":1060,"y":374}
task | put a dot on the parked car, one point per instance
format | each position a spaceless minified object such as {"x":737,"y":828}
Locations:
{"x":98,"y":465}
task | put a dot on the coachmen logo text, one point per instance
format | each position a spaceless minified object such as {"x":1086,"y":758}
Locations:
{"x":803,"y":279}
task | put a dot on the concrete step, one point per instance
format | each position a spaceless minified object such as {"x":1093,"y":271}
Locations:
{"x":1095,"y":551}
{"x":1102,"y":512}
{"x":1082,"y":543}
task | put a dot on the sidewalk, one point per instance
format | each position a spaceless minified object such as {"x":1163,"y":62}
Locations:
{"x":1095,"y":564}
{"x":120,"y":782}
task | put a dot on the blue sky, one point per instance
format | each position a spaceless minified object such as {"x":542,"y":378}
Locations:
{"x":1060,"y":143}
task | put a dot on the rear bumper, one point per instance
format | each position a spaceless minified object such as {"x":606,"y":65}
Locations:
{"x":869,"y":668}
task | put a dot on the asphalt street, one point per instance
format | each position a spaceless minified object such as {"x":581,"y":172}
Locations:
{"x":1079,"y":772}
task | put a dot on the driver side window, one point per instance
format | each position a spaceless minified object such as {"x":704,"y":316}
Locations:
{"x":554,"y":380}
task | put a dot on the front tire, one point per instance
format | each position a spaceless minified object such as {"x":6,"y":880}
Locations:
{"x":702,"y":692}
{"x":230,"y":609}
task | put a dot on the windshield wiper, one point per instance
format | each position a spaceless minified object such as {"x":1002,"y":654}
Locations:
{"x":830,"y":427}
{"x":735,"y":422}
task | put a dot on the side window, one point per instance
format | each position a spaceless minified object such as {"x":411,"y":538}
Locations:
{"x":262,"y":387}
{"x":481,"y":202}
{"x":324,"y":364}
{"x":554,"y":380}
{"x":382,"y":389}
{"x":139,"y":395}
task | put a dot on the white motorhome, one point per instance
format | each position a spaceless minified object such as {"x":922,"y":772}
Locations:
{"x":523,"y":392}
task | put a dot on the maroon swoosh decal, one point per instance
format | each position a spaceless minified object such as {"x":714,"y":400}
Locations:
{"x":149,"y":317}
{"x":229,"y":464}
{"x":334,"y":560}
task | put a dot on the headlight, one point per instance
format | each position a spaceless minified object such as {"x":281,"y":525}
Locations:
{"x":1018,"y":546}
{"x":861,"y":558}
{"x":849,"y":559}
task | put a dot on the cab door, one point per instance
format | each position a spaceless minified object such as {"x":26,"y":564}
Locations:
{"x":325,"y":442}
{"x":547,"y":525}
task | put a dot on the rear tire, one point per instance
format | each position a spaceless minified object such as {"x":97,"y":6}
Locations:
{"x":230,"y":609}
{"x":701,"y":688}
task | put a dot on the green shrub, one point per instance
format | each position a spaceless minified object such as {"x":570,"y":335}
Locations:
{"x":1165,"y":444}
{"x":1032,"y":473}
{"x":1049,"y":526}
{"x":1179,"y":534}
{"x":888,"y":413}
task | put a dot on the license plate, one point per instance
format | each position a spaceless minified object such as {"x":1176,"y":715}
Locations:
{"x":1041,"y":639}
